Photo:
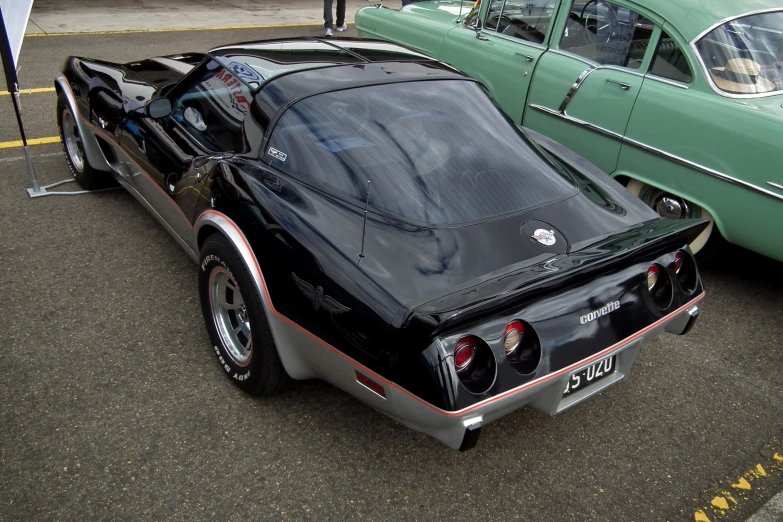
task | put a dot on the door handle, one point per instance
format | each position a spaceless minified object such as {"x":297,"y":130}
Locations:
{"x":623,"y":86}
{"x":525,"y":56}
{"x":481,"y":37}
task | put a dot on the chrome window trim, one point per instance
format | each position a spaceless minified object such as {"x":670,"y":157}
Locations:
{"x":658,"y":152}
{"x":515,"y":39}
{"x":706,"y":71}
{"x":494,"y":32}
{"x":575,"y":57}
{"x":735,"y":17}
{"x":667,"y":81}
{"x":596,"y":65}
{"x":486,"y":14}
{"x":632,"y":72}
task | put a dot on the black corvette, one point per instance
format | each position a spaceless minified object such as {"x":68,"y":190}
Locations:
{"x":365,"y":215}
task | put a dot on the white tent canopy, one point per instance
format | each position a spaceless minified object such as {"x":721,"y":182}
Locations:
{"x":13,"y":24}
{"x":15,"y":16}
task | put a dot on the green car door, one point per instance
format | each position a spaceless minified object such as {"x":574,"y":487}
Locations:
{"x":585,"y":86}
{"x":499,"y":45}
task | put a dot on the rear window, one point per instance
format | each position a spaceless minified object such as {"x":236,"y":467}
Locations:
{"x":745,"y":56}
{"x":436,"y":152}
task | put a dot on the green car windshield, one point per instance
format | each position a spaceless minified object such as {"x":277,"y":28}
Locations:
{"x":745,"y":55}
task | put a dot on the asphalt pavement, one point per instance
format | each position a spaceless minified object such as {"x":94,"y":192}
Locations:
{"x":112,"y":405}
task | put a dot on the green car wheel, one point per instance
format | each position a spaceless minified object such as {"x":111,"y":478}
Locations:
{"x":674,"y":207}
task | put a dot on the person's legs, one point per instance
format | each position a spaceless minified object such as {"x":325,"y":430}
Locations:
{"x":340,"y":13}
{"x":328,"y":12}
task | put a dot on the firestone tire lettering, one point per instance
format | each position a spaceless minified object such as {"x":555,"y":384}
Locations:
{"x":263,"y":373}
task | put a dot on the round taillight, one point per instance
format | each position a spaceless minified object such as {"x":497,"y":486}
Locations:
{"x":464,"y":352}
{"x":679,"y":257}
{"x":652,"y":277}
{"x":512,"y":337}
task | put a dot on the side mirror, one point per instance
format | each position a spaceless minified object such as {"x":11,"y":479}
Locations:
{"x":158,"y":108}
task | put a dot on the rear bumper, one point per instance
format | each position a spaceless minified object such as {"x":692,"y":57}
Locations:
{"x":460,"y":429}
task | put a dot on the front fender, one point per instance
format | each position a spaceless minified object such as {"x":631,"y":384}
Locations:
{"x":92,"y":150}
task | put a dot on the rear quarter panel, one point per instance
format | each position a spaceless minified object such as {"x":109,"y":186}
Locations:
{"x":737,"y":137}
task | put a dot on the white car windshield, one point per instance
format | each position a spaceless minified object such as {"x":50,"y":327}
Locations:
{"x":745,"y":55}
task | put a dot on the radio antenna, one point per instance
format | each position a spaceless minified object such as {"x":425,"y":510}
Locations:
{"x":364,"y":227}
{"x":461,"y":3}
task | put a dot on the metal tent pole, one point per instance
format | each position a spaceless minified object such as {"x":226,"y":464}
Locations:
{"x":38,"y":191}
{"x":12,"y":81}
{"x":28,"y":157}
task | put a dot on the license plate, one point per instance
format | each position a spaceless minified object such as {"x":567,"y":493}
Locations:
{"x":591,"y":374}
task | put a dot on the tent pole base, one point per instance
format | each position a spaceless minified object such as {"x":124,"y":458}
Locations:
{"x":38,"y":192}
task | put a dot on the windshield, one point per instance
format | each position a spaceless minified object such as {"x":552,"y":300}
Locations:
{"x":745,"y":56}
{"x":435,"y":152}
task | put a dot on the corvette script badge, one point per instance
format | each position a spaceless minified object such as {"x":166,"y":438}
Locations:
{"x":317,"y":297}
{"x":545,"y":237}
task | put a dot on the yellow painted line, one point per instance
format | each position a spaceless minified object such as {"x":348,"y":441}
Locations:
{"x":741,"y":484}
{"x":177,"y":30}
{"x":34,"y":141}
{"x":724,"y":502}
{"x":29,"y":91}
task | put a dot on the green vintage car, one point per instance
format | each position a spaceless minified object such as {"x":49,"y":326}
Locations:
{"x":678,"y":99}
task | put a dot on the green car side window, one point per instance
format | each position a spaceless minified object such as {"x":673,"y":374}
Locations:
{"x":606,"y":33}
{"x":669,"y":61}
{"x":527,"y":21}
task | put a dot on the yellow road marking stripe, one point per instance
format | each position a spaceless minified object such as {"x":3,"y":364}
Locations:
{"x":178,"y":30}
{"x":740,"y":490}
{"x":33,"y":141}
{"x":741,"y":484}
{"x":29,"y":91}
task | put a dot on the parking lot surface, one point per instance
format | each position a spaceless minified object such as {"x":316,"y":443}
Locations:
{"x":112,"y":404}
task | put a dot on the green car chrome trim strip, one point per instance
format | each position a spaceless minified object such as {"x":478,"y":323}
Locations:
{"x":575,"y":87}
{"x":576,"y":121}
{"x":658,"y":152}
{"x":702,"y":168}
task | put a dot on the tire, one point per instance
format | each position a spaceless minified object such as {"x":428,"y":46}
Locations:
{"x":87,"y":177}
{"x":236,"y":322}
{"x":707,"y":245}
